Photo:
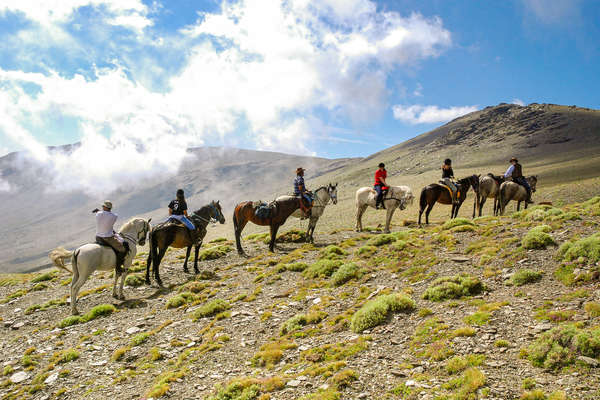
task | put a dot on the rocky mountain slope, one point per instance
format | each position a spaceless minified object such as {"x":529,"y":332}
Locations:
{"x":495,"y":308}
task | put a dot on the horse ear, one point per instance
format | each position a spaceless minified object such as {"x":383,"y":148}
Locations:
{"x":149,"y":219}
{"x":218,"y":202}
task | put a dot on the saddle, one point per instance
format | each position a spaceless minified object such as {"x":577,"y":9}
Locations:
{"x":458,"y":188}
{"x":263,"y":210}
{"x":498,"y":178}
{"x":120,"y":256}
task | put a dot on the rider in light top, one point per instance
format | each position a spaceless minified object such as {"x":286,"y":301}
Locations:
{"x":300,"y":190}
{"x":447,"y":178}
{"x":380,"y":185}
{"x":515,"y":171}
{"x":178,"y":210}
{"x":105,"y":234}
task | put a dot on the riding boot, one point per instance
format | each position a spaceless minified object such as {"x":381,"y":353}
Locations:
{"x":454,"y":198}
{"x":120,"y":261}
{"x":529,"y":201}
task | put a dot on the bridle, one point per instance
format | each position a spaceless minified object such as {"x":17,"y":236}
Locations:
{"x":137,"y":240}
{"x":213,"y":218}
{"x":321,"y":204}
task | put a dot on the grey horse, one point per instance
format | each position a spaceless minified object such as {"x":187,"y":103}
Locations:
{"x":322,"y":196}
{"x":488,"y":187}
{"x":513,"y":191}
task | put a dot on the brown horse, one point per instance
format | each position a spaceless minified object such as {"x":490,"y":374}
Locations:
{"x":439,"y":193}
{"x":510,"y":190}
{"x":167,"y":235}
{"x":246,"y":212}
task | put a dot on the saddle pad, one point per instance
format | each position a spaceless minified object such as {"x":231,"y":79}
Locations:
{"x":450,"y":190}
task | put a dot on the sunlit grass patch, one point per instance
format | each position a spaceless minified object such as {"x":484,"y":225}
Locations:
{"x":332,"y":252}
{"x":134,"y":280}
{"x":214,"y":253}
{"x":453,"y":223}
{"x":588,"y":249}
{"x":323,"y":268}
{"x":375,"y":312}
{"x":366,"y":251}
{"x":380,"y":240}
{"x":345,"y":273}
{"x":271,"y":353}
{"x":453,"y":287}
{"x":525,"y":276}
{"x":97,"y":311}
{"x":299,"y":321}
{"x":210,"y":309}
{"x":538,"y":238}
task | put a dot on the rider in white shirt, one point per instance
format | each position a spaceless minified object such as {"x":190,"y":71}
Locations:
{"x":105,"y":234}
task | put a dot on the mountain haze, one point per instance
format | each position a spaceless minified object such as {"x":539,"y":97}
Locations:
{"x":561,"y":144}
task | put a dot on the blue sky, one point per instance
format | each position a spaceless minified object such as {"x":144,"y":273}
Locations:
{"x":138,"y":80}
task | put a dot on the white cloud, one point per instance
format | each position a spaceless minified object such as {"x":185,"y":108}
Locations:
{"x":418,"y":90}
{"x":264,"y":68}
{"x":555,"y":11}
{"x":518,"y":102}
{"x":419,"y":114}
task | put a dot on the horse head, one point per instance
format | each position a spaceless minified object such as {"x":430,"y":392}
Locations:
{"x":332,"y":190}
{"x":217,"y":211}
{"x":532,"y":182}
{"x":144,"y":232}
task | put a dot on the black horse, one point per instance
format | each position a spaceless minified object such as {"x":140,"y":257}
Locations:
{"x":167,"y":235}
{"x":440,"y":193}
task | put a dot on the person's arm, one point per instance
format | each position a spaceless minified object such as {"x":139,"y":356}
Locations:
{"x":185,"y":213}
{"x":509,"y":171}
{"x":170,"y":211}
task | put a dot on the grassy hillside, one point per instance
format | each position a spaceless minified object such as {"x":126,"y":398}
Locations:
{"x":496,"y":308}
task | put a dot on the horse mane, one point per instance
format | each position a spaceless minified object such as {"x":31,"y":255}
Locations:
{"x":127,"y":225}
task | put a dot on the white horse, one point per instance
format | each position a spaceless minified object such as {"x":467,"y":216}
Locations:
{"x":322,"y":197}
{"x":397,"y":197}
{"x":91,"y":257}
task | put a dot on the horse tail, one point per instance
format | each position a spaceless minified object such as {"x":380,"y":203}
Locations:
{"x":423,"y":200}
{"x":74,"y":264}
{"x":235,"y":221}
{"x":58,"y":257}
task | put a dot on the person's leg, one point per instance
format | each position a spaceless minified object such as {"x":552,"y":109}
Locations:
{"x":119,"y":249}
{"x":379,"y":196}
{"x":525,"y":184}
{"x":187,"y":223}
{"x":454,"y":192}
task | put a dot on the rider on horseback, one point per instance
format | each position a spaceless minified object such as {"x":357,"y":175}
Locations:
{"x":178,"y":211}
{"x":105,"y":234}
{"x":300,"y":190}
{"x":448,"y":179}
{"x":515,"y":171}
{"x":380,"y":185}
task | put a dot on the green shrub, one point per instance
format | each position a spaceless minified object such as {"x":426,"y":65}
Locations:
{"x":453,"y":287}
{"x":457,"y":364}
{"x":98,"y":311}
{"x":140,"y":338}
{"x":344,"y":378}
{"x":48,"y":276}
{"x":366,"y":251}
{"x":322,"y":268}
{"x":375,"y":312}
{"x":560,"y":346}
{"x":538,"y":238}
{"x":477,"y":318}
{"x":592,"y":309}
{"x":452,"y":223}
{"x":525,"y":276}
{"x":332,"y":252}
{"x":66,"y":356}
{"x":295,"y":267}
{"x":380,"y":240}
{"x":134,"y":280}
{"x":218,"y":240}
{"x":180,"y":299}
{"x":588,"y":248}
{"x":214,"y":253}
{"x":533,"y":395}
{"x":345,"y":273}
{"x":211,"y":308}
{"x":298,"y":321}
{"x":291,"y":236}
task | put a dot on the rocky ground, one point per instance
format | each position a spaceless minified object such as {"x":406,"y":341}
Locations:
{"x":334,"y":320}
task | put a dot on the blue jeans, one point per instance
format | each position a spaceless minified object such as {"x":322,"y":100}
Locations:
{"x":523,"y":182}
{"x":379,"y":191}
{"x":184,"y":219}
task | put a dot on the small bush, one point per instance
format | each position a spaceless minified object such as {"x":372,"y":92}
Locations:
{"x":477,"y":318}
{"x":467,"y":384}
{"x":214,"y":253}
{"x":295,"y":267}
{"x":453,"y":287}
{"x":366,"y":251}
{"x":332,"y":252}
{"x":345,"y":273}
{"x":525,"y":276}
{"x":588,"y":248}
{"x":48,"y":276}
{"x":140,"y":338}
{"x":376,"y":311}
{"x":180,"y":299}
{"x":452,"y":223}
{"x":560,"y":346}
{"x":98,"y":311}
{"x":134,"y":280}
{"x":70,"y":320}
{"x":538,"y":238}
{"x":297,"y":322}
{"x":291,"y":236}
{"x":322,"y":268}
{"x":457,"y":364}
{"x":344,"y":378}
{"x":211,"y":308}
{"x":533,"y":395}
{"x":592,"y":309}
{"x":66,"y":356}
{"x":380,"y":240}
{"x":119,"y":353}
{"x":39,"y":286}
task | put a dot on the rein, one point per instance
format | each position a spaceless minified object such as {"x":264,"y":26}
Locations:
{"x":321,"y":205}
{"x":212,"y":219}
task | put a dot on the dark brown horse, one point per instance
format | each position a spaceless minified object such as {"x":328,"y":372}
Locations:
{"x":246,"y":212}
{"x":439,"y":193}
{"x":169,"y":234}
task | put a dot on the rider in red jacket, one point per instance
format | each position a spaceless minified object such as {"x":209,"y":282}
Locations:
{"x":380,"y":185}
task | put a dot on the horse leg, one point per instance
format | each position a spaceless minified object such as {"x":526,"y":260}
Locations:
{"x":239,"y":227}
{"x":196,"y":251}
{"x":457,"y":208}
{"x":187,"y":255}
{"x":148,"y":264}
{"x":157,"y":261}
{"x":274,"y":229}
{"x":312,"y":223}
{"x":481,"y":203}
{"x":388,"y":219}
{"x":518,"y":205}
{"x":359,"y":213}
{"x":74,"y":288}
{"x":429,"y":208}
{"x":76,"y":284}
{"x":123,"y":276}
{"x":114,"y":292}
